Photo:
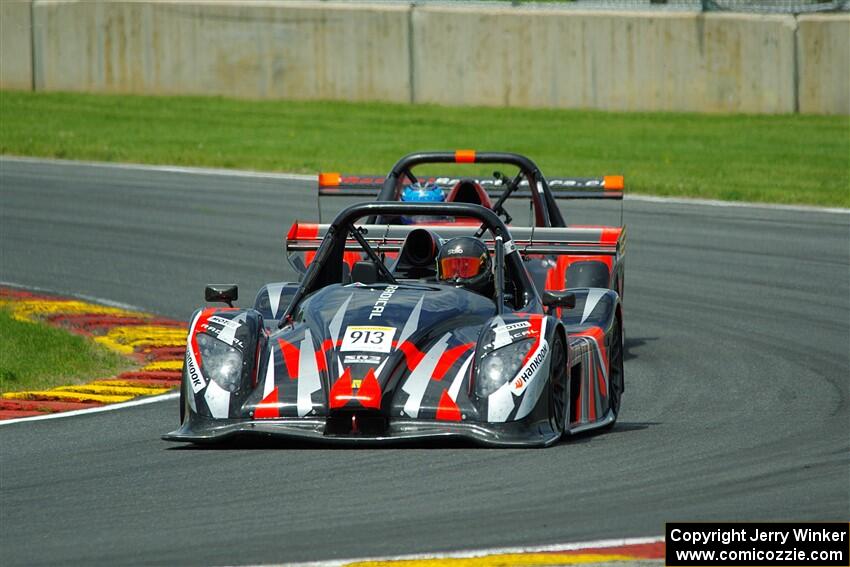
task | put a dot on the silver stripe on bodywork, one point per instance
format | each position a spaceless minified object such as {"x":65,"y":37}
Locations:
{"x":274,"y":290}
{"x":461,"y":374}
{"x":228,"y":332}
{"x":412,"y":321}
{"x":417,"y":382}
{"x":218,"y":400}
{"x":336,"y":323}
{"x":308,"y":375}
{"x":268,"y":385}
{"x":192,"y":327}
{"x":192,"y":364}
{"x":381,"y":367}
{"x":534,"y":389}
{"x":593,"y":297}
{"x":500,"y":404}
{"x":191,"y":355}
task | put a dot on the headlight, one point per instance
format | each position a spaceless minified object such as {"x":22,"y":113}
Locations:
{"x":222,"y":363}
{"x":500,"y":366}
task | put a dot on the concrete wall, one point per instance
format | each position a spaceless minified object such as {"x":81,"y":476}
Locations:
{"x":640,"y":61}
{"x":460,"y":55}
{"x":244,"y":49}
{"x":15,"y":44}
{"x":824,"y":64}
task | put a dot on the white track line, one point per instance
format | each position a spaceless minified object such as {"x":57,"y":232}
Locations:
{"x":301,"y":177}
{"x":220,"y":172}
{"x":111,"y":407}
{"x":730,"y":204}
{"x":482,"y":552}
{"x":89,"y":298}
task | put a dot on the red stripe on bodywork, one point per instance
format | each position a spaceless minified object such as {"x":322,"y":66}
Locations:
{"x":306,"y":231}
{"x":269,"y":407}
{"x":603,"y":389}
{"x":342,"y":390}
{"x":369,"y":392}
{"x":202,"y":320}
{"x":610,"y":235}
{"x":599,"y":336}
{"x":412,"y":355}
{"x":290,"y":357}
{"x":322,"y":354}
{"x":536,"y":325}
{"x":448,"y":359}
{"x":351,"y":258}
{"x":448,"y":410}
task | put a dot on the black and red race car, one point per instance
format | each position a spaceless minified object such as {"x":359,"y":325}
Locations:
{"x":371,"y":346}
{"x":582,"y":255}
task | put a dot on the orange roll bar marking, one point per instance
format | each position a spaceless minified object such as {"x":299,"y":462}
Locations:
{"x":464,"y":156}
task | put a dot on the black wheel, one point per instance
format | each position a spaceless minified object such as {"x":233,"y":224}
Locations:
{"x":558,"y":387}
{"x":615,"y":370}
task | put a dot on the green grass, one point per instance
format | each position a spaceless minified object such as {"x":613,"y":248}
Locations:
{"x":780,"y":159}
{"x":34,"y":356}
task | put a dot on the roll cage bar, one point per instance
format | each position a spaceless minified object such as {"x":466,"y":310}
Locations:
{"x":546,"y":211}
{"x":326,"y":267}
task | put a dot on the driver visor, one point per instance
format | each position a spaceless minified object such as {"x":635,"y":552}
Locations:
{"x":459,"y":267}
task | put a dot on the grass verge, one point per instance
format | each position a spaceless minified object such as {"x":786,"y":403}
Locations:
{"x":35,"y":356}
{"x":798,"y":159}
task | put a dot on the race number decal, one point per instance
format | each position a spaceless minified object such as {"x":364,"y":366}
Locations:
{"x":368,"y":338}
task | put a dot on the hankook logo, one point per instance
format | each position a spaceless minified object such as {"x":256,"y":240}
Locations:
{"x":521,"y":381}
{"x":195,"y":378}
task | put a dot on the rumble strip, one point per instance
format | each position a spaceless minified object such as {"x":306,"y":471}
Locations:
{"x":154,"y":344}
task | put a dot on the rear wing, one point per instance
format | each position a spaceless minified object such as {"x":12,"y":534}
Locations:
{"x":607,"y":187}
{"x":304,"y":239}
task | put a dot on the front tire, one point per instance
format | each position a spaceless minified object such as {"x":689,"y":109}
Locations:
{"x":558,"y":407}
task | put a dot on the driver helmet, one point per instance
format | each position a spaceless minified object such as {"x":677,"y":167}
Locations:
{"x":465,"y":261}
{"x":421,"y":193}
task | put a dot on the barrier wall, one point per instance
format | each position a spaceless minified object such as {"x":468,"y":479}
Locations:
{"x":15,"y":44}
{"x":242,"y":49}
{"x":657,"y":61}
{"x":824,"y":64}
{"x":459,"y":55}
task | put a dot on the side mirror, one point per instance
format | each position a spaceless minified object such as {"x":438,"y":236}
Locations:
{"x":559,"y":299}
{"x":227,"y":293}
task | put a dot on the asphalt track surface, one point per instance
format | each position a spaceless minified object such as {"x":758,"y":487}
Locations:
{"x":736,"y":403}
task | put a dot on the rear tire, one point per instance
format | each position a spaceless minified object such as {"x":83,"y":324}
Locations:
{"x":558,"y":386}
{"x":616,"y":374}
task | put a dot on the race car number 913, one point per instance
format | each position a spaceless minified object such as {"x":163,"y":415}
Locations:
{"x":368,"y":338}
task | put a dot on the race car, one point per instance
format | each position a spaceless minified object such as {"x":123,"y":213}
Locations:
{"x":551,"y":271}
{"x":397,"y":348}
